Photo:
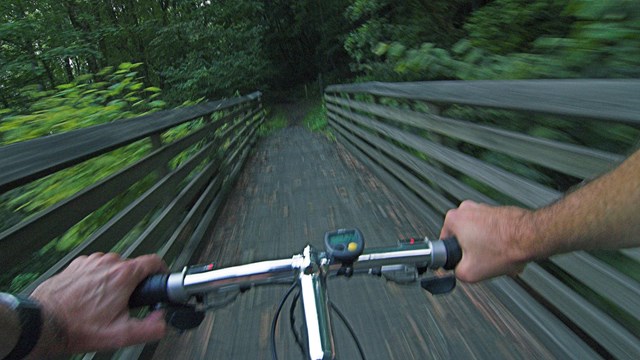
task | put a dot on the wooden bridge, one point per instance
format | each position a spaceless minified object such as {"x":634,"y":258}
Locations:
{"x":401,"y":160}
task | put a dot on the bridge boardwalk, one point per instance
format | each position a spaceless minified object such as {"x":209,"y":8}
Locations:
{"x":295,"y":186}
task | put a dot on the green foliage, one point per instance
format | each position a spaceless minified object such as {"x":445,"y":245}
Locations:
{"x":517,"y":39}
{"x":316,"y":119}
{"x":276,"y":121}
{"x":110,"y":95}
{"x":403,"y":25}
{"x":509,"y":26}
{"x":604,"y":41}
{"x":218,"y":52}
{"x":303,"y":41}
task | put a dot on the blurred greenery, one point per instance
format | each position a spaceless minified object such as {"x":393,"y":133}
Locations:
{"x":112,"y":94}
{"x":515,"y":39}
{"x":75,"y":63}
{"x":316,"y":119}
{"x":276,"y":120}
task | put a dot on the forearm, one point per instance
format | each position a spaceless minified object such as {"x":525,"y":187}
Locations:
{"x":603,"y":214}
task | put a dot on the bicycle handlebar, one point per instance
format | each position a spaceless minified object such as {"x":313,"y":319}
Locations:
{"x":150,"y":291}
{"x":454,"y":253}
{"x":178,"y":288}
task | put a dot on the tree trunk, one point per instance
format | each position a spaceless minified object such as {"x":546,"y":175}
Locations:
{"x":67,"y":69}
{"x":84,"y":29}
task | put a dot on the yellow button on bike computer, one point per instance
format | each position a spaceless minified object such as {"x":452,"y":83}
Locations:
{"x":352,"y":246}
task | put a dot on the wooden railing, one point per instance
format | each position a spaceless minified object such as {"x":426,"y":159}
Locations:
{"x":581,"y":305}
{"x":171,"y":215}
{"x":173,"y":211}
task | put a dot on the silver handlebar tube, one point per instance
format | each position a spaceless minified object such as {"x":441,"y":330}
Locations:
{"x":181,"y":286}
{"x":311,"y":269}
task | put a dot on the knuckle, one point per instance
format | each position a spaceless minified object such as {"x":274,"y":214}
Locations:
{"x":451,"y":212}
{"x":95,"y":256}
{"x":110,"y":258}
{"x":467,"y":203}
{"x":465,"y":276}
{"x":149,"y":259}
{"x":79,"y":260}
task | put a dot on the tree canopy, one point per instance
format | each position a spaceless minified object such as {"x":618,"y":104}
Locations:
{"x":195,"y":49}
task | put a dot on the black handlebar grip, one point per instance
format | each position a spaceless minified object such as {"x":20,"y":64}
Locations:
{"x":454,"y":253}
{"x":150,"y":291}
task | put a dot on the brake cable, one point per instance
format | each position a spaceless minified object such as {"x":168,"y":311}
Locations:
{"x":274,"y":353}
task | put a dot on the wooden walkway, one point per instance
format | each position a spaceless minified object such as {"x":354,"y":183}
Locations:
{"x":296,"y":186}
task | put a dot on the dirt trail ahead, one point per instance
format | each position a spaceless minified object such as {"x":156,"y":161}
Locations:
{"x":295,"y":186}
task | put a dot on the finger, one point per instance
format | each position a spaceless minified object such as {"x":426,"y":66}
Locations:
{"x":152,"y":327}
{"x":447,"y":227}
{"x":77,"y":262}
{"x":468,"y":204}
{"x":95,"y":256}
{"x":135,"y":331}
{"x":463,"y":273}
{"x":146,"y":265}
{"x":110,"y":258}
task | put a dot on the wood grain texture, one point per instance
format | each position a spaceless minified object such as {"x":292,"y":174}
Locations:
{"x":295,"y":187}
{"x":609,"y":100}
{"x":574,"y":160}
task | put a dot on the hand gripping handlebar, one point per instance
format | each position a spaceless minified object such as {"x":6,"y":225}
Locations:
{"x":162,"y":288}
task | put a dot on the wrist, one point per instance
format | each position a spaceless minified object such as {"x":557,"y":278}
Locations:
{"x":24,"y":325}
{"x":546,"y":235}
{"x":53,"y":341}
{"x":525,"y":237}
{"x":10,"y":328}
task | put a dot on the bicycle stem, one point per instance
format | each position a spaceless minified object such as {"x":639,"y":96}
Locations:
{"x":315,"y":305}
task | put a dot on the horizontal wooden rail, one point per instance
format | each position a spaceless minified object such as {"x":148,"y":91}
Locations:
{"x":170,"y":216}
{"x":573,"y":160}
{"x":419,"y":154}
{"x":23,"y":162}
{"x":608,"y":100}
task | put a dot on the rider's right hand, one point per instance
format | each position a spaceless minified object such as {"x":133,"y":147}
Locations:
{"x":493,"y":239}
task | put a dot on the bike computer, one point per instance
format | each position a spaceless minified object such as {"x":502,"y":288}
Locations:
{"x":344,"y":245}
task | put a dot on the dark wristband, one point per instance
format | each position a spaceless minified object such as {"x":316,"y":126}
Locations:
{"x":30,"y":316}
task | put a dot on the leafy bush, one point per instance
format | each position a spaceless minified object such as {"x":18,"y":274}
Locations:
{"x":110,"y":95}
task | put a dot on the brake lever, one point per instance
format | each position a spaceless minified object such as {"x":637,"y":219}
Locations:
{"x":437,"y":285}
{"x":183,"y":316}
{"x":399,"y":274}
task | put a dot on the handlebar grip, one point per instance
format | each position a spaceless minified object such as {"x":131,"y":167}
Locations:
{"x":150,"y":291}
{"x":454,"y":253}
